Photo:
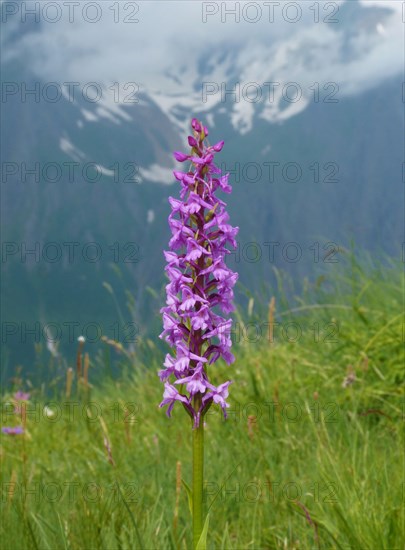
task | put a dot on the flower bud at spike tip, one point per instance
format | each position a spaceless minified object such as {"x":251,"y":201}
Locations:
{"x":192,"y":142}
{"x":196,"y":125}
{"x":218,"y":146}
{"x":181,"y":157}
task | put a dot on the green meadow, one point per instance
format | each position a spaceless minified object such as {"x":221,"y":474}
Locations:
{"x":311,"y":455}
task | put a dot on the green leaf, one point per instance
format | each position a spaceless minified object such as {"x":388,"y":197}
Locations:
{"x":43,"y":540}
{"x":108,"y":287}
{"x":152,"y":291}
{"x":138,"y":535}
{"x":202,"y":543}
{"x":189,"y":495}
{"x":63,"y":533}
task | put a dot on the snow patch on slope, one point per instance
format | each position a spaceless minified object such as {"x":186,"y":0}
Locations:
{"x":157,"y":174}
{"x":71,"y":150}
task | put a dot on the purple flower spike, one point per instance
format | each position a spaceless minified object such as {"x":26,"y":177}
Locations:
{"x":200,"y":284}
{"x":18,"y":430}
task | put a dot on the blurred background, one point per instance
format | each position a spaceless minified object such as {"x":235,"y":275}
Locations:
{"x":308,"y":97}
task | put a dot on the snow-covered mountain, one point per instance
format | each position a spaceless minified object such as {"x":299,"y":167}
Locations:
{"x":314,"y":143}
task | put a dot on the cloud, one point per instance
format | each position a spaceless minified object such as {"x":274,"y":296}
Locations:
{"x":177,"y":45}
{"x":168,"y":35}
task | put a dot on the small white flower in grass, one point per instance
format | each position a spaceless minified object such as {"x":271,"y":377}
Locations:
{"x":48,"y":412}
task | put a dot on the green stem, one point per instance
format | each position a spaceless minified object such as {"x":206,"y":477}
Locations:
{"x":198,"y":476}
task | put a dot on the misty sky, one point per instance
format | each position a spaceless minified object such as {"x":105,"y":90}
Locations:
{"x":163,"y":50}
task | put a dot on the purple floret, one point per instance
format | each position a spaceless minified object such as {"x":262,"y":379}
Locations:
{"x":21,"y":396}
{"x":17,"y":430}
